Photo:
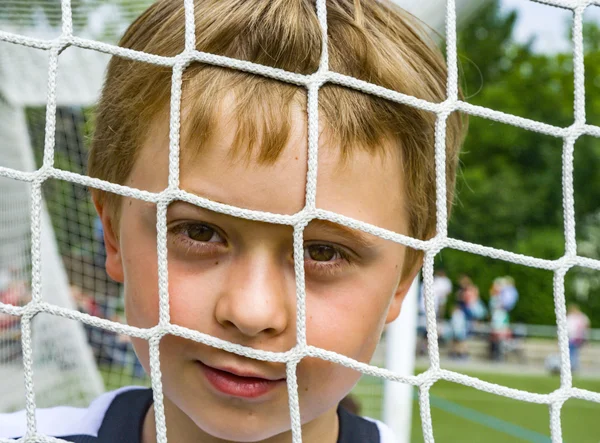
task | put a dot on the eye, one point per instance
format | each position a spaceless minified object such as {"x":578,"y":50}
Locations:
{"x":198,"y":238}
{"x":324,"y":261}
{"x":201,"y":233}
{"x":321,"y":253}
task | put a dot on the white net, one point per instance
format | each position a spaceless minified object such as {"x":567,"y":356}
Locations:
{"x":65,"y":370}
{"x":33,"y":180}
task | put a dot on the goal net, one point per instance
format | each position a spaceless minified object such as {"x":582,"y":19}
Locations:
{"x":59,"y":314}
{"x":65,"y":370}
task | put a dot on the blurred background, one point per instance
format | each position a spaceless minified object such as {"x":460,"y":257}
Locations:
{"x":496,"y":320}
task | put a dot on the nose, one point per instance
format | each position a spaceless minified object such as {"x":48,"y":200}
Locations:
{"x":255,"y":300}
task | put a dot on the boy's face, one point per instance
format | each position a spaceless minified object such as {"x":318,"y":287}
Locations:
{"x":234,"y":279}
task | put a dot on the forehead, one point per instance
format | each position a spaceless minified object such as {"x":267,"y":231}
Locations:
{"x":362,"y":185}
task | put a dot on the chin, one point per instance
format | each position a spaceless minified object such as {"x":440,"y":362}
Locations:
{"x":241,"y":433}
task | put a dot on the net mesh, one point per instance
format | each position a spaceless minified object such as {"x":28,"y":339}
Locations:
{"x":300,"y":220}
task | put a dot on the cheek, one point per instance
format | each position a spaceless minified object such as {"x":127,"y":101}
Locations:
{"x":347,"y":318}
{"x":193,"y":293}
{"x":141,"y":282}
{"x":354,"y":309}
{"x":325,"y":382}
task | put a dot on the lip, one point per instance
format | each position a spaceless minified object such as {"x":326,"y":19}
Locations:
{"x":239,"y":382}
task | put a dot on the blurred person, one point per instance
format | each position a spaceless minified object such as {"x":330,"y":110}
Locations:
{"x":464,"y":282}
{"x":578,"y":325}
{"x":421,"y":324}
{"x":468,"y":299}
{"x":85,"y":303}
{"x":442,"y":287}
{"x":499,"y":321}
{"x":509,"y":296}
{"x":5,"y":282}
{"x":459,"y":328}
{"x":13,"y":291}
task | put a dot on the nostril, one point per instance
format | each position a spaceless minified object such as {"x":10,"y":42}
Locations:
{"x":227,"y":324}
{"x":270,"y":331}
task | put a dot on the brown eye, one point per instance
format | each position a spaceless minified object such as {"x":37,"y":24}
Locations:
{"x":321,"y":252}
{"x":200,"y":233}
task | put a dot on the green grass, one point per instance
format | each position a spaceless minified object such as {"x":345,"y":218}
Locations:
{"x":463,"y":414}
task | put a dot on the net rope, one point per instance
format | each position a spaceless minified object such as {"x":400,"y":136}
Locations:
{"x":300,"y":220}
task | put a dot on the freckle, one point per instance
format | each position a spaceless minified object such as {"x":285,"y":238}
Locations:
{"x":296,"y":158}
{"x":217,"y":262}
{"x":305,"y":389}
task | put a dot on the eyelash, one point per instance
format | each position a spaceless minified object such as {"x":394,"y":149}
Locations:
{"x":195,"y":246}
{"x":329,"y":268}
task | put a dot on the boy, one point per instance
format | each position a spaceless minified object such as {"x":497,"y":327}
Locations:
{"x":243,"y":143}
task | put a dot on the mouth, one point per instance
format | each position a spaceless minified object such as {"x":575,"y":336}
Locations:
{"x":239,"y":383}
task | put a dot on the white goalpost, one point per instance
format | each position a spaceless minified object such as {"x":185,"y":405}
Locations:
{"x":47,"y":357}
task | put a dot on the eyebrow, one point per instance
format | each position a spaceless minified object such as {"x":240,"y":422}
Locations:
{"x":353,"y":235}
{"x":356,"y":236}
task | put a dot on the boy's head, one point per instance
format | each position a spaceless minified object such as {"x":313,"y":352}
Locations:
{"x":243,"y":142}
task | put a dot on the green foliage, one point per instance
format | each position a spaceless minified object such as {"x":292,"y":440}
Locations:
{"x":510,"y":187}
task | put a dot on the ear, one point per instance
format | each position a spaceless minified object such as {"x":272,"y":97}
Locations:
{"x":114,"y":263}
{"x":404,"y":285}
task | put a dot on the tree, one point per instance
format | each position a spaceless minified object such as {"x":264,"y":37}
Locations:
{"x":510,"y":188}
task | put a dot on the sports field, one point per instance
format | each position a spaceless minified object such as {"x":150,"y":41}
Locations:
{"x":462,"y":414}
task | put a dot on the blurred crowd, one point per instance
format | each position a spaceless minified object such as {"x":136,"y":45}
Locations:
{"x":110,"y":349}
{"x":458,"y":314}
{"x":461,"y":313}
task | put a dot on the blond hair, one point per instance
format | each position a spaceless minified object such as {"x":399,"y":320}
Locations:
{"x":371,"y":40}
